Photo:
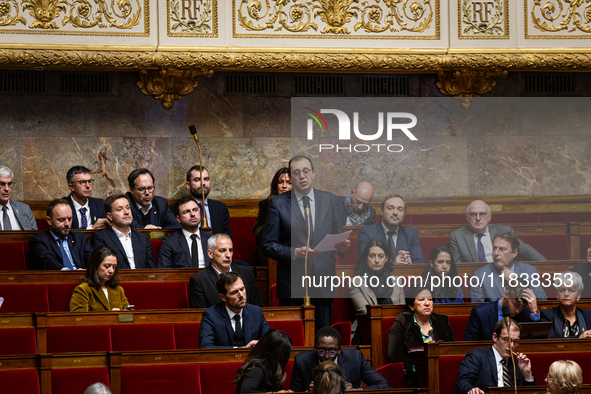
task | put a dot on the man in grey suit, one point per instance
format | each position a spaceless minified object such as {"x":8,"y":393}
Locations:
{"x":473,"y":243}
{"x":505,"y":249}
{"x":15,"y":215}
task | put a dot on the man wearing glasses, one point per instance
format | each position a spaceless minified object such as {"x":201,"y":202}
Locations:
{"x":149,"y":211}
{"x":473,"y":243}
{"x":88,"y":212}
{"x":327,"y":346}
{"x":15,"y":215}
{"x":493,"y":366}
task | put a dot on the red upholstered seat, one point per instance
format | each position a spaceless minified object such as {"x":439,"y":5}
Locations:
{"x":244,"y":241}
{"x":541,"y":363}
{"x":156,"y":244}
{"x":158,"y":379}
{"x":24,"y":298}
{"x":21,"y":381}
{"x":448,"y":373}
{"x":552,"y":247}
{"x":428,"y":243}
{"x":72,"y":339}
{"x":584,"y":238}
{"x":458,"y":326}
{"x":393,"y":373}
{"x":386,"y":325}
{"x":217,"y":378}
{"x":18,"y":340}
{"x":13,"y":256}
{"x":156,"y":295}
{"x":76,"y":380}
{"x":134,"y":337}
{"x":59,"y":295}
{"x":342,"y":309}
{"x":437,"y":219}
{"x":351,"y":256}
{"x":42,"y":224}
{"x":344,"y":328}
{"x":293,"y":328}
{"x":565,"y":217}
{"x":186,"y":335}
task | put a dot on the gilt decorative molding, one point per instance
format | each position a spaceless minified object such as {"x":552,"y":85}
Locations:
{"x":552,"y":19}
{"x":168,"y":85}
{"x":483,"y":20}
{"x":468,"y":83}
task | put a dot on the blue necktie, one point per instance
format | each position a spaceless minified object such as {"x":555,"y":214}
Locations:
{"x":481,"y":255}
{"x":507,"y":381}
{"x":67,"y":262}
{"x":83,"y":217}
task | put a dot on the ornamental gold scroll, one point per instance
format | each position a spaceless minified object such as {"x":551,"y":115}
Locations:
{"x":416,"y":19}
{"x":47,"y":15}
{"x":483,"y":19}
{"x":565,"y":16}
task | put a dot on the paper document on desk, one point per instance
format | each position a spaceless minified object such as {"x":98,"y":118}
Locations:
{"x":327,"y":244}
{"x":1,"y":301}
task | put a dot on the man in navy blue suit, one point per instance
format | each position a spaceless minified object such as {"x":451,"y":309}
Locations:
{"x":87,"y":212}
{"x":285,"y":237}
{"x":355,"y":209}
{"x":403,"y":241}
{"x":134,"y":250}
{"x":149,"y":211}
{"x":493,"y":366}
{"x":232,"y":322}
{"x":59,"y":248}
{"x":327,"y":346}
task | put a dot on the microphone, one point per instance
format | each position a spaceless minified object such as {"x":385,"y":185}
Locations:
{"x":307,"y":301}
{"x":192,"y":129}
{"x":507,"y":315}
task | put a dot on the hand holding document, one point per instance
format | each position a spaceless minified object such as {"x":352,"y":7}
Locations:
{"x":328,"y":243}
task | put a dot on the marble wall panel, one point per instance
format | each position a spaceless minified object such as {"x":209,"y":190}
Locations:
{"x":11,"y":153}
{"x":267,"y":117}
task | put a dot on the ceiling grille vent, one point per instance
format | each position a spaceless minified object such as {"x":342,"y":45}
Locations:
{"x":251,"y":84}
{"x":319,"y":85}
{"x":85,"y":83}
{"x":557,"y":83}
{"x":389,"y":85}
{"x":22,"y":82}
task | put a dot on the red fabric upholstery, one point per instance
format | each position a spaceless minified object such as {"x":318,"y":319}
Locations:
{"x":217,"y":378}
{"x":21,"y":381}
{"x":157,"y":295}
{"x":59,"y":295}
{"x":142,"y":337}
{"x":244,"y":241}
{"x":458,"y":326}
{"x":540,"y":364}
{"x":288,"y":371}
{"x":584,"y":238}
{"x":552,"y":247}
{"x":13,"y":256}
{"x":156,"y":244}
{"x":344,"y":328}
{"x":293,"y":328}
{"x":274,"y":299}
{"x":42,"y":224}
{"x":437,"y":219}
{"x":448,"y":373}
{"x":351,"y":255}
{"x":19,"y":340}
{"x":565,"y":217}
{"x":72,"y":339}
{"x":186,"y":335}
{"x":158,"y":379}
{"x":342,"y":309}
{"x":76,"y":380}
{"x":24,"y":298}
{"x":393,"y":373}
{"x":386,"y":325}
{"x":428,"y":243}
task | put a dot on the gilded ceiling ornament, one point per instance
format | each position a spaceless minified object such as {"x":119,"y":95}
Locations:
{"x":10,"y":13}
{"x":195,"y":24}
{"x":561,"y":15}
{"x":168,"y":85}
{"x":468,"y":83}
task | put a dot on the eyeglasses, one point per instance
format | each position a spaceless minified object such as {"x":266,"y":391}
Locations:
{"x":549,"y":377}
{"x":143,"y":189}
{"x":84,"y":183}
{"x":297,"y":173}
{"x":481,"y":215}
{"x":515,"y":342}
{"x":331,"y":353}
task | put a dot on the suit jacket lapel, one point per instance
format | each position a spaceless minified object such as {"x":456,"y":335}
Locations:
{"x":297,"y":212}
{"x":226,"y":318}
{"x":120,"y":248}
{"x":138,"y":251}
{"x":206,"y":258}
{"x":100,"y":295}
{"x":344,"y":367}
{"x":212,"y":275}
{"x":380,"y":231}
{"x":75,"y":223}
{"x":245,"y":326}
{"x":184,"y":247}
{"x":72,"y":245}
{"x":492,"y":364}
{"x":401,"y":241}
{"x":469,"y":239}
{"x":54,"y":246}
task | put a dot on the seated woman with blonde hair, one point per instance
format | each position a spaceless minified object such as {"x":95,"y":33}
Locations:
{"x":328,"y":379}
{"x":564,"y":377}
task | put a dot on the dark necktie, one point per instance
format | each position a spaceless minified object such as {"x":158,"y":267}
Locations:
{"x":307,"y":200}
{"x":238,"y":333}
{"x":6,"y":226}
{"x":202,"y":212}
{"x":507,"y":381}
{"x":481,"y":255}
{"x":84,"y":220}
{"x":67,"y":262}
{"x":194,"y":251}
{"x":392,"y":244}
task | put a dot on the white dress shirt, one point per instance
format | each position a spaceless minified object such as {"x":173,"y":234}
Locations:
{"x":125,"y":240}
{"x":394,"y":236}
{"x":300,"y":198}
{"x":11,"y":216}
{"x":232,"y":314}
{"x":199,"y":246}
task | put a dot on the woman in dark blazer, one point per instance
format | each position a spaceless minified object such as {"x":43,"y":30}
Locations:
{"x":441,"y":263}
{"x":568,"y":320}
{"x":414,"y":328}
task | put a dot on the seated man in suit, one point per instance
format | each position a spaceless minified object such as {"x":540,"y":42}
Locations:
{"x":232,"y":322}
{"x":14,"y":215}
{"x":327,"y":346}
{"x":185,"y":248}
{"x":473,"y":243}
{"x":493,"y":366}
{"x":355,"y":209}
{"x":149,"y":211}
{"x":483,"y":317}
{"x":202,"y":286}
{"x":134,"y":249}
{"x":59,"y":248}
{"x":87,"y":212}
{"x":498,"y":273}
{"x":403,"y":241}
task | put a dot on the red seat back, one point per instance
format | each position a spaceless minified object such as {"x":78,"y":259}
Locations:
{"x":13,"y":256}
{"x":134,"y":337}
{"x":393,"y":373}
{"x":540,"y":363}
{"x":24,"y":298}
{"x":59,"y":295}
{"x":186,"y":335}
{"x":156,"y":295}
{"x":244,"y":241}
{"x":18,"y":340}
{"x":156,"y":244}
{"x":72,"y":339}
{"x":76,"y":380}
{"x":386,"y":325}
{"x":344,"y":328}
{"x":458,"y":326}
{"x":288,"y":371}
{"x":217,"y":378}
{"x":428,"y":243}
{"x":293,"y":328}
{"x":21,"y":381}
{"x":448,"y":373}
{"x":552,"y":247}
{"x":158,"y":379}
{"x":584,"y":239}
{"x":342,"y":309}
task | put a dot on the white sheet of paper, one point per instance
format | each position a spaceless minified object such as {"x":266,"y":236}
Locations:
{"x":327,"y":244}
{"x":1,"y":301}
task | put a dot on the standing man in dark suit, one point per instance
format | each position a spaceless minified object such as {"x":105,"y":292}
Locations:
{"x":355,"y":209}
{"x":14,"y":215}
{"x":232,"y":322}
{"x":87,"y":212}
{"x":185,"y":248}
{"x":403,"y":241}
{"x":134,"y":249}
{"x":285,"y":239}
{"x":493,"y":366}
{"x":149,"y":211}
{"x":202,"y":286}
{"x":473,"y":243}
{"x":59,"y":248}
{"x":327,"y":346}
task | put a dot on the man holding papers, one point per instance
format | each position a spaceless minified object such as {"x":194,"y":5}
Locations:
{"x":286,"y":234}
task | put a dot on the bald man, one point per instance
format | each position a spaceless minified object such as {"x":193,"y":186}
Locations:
{"x":473,"y":243}
{"x":354,"y":209}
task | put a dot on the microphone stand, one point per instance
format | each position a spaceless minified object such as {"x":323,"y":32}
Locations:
{"x":204,"y":224}
{"x":307,"y":300}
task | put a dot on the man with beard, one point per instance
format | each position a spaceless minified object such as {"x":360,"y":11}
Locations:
{"x":355,"y":209}
{"x":403,"y":241}
{"x":218,"y":216}
{"x":58,"y":248}
{"x":134,"y":249}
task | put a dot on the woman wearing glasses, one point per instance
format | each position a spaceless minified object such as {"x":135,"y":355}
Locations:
{"x":564,"y":377}
{"x":568,"y":320}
